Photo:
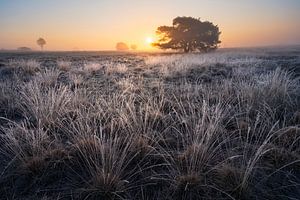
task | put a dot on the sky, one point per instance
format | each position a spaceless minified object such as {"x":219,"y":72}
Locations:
{"x":100,"y":24}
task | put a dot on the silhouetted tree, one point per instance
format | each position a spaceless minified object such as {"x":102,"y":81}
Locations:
{"x":133,"y":46}
{"x":121,"y":46}
{"x":41,"y":42}
{"x":188,"y":34}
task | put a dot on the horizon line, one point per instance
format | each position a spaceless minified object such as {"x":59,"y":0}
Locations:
{"x":150,"y":50}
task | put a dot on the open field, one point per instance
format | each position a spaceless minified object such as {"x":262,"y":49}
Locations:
{"x":92,"y":125}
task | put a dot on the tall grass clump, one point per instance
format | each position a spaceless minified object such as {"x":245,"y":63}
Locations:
{"x":28,"y":67}
{"x":64,"y":65}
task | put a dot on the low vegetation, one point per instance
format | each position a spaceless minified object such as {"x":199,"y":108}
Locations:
{"x":222,"y":125}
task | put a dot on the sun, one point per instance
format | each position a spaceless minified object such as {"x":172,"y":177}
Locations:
{"x":149,"y":40}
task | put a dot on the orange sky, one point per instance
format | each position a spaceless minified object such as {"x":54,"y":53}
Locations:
{"x":99,"y":25}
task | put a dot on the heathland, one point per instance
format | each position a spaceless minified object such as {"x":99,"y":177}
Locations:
{"x":96,"y":125}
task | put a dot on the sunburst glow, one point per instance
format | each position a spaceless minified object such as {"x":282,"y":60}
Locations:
{"x":149,"y":40}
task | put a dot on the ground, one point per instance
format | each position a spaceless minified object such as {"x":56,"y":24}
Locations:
{"x":100,"y":125}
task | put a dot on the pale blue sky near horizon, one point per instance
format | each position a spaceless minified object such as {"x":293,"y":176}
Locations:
{"x":98,"y":25}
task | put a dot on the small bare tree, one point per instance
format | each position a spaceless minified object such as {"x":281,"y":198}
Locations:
{"x":41,"y":42}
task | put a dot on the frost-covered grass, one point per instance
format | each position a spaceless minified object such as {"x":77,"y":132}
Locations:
{"x":64,"y":65}
{"x":178,"y":63}
{"x":211,"y":126}
{"x":27,"y":66}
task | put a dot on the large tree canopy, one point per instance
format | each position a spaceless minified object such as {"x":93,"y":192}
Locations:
{"x":188,"y":34}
